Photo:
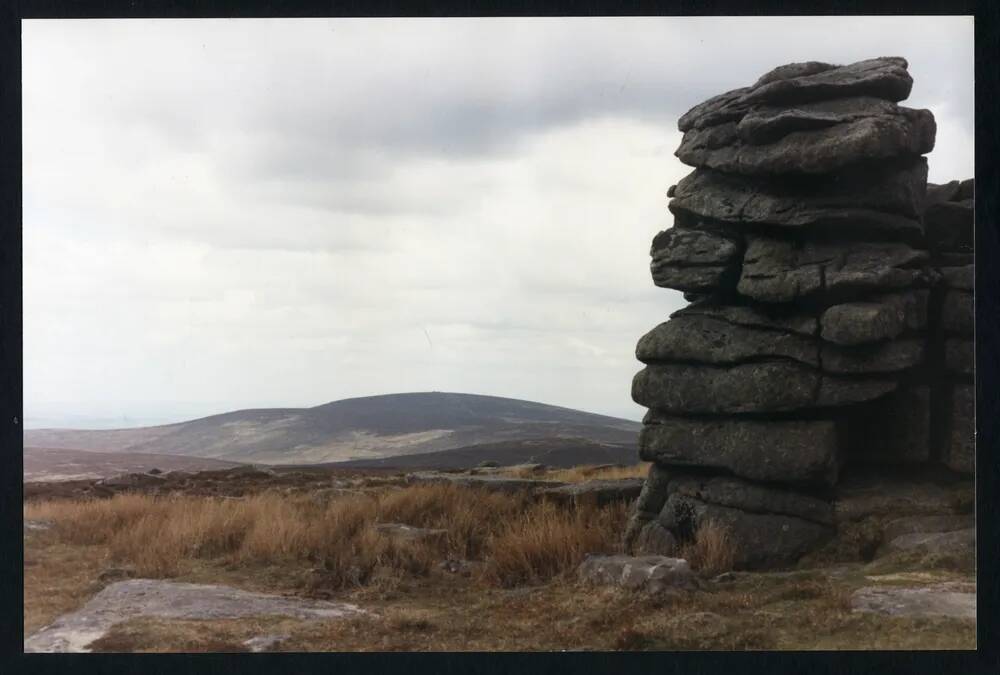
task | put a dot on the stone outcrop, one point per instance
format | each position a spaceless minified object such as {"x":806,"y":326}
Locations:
{"x":831,"y":318}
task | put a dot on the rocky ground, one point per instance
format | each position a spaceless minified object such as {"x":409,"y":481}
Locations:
{"x":914,"y":590}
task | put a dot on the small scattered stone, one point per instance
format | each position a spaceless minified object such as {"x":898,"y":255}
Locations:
{"x":652,"y":574}
{"x":263,"y":643}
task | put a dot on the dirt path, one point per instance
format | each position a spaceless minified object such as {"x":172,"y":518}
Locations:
{"x":171,"y":600}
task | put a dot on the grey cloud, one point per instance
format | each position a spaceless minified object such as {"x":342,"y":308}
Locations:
{"x":272,"y":212}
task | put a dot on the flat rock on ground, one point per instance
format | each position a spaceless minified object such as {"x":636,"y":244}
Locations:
{"x":947,"y":599}
{"x":170,"y":600}
{"x":957,"y":541}
{"x":652,"y":573}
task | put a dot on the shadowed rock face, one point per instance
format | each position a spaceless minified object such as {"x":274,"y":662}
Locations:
{"x":760,"y":540}
{"x":832,"y":309}
{"x":801,"y":451}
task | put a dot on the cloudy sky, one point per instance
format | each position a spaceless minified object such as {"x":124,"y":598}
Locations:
{"x":250,"y":213}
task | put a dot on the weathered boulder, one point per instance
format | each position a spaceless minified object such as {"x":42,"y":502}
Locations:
{"x":651,"y":573}
{"x":757,"y":540}
{"x":654,"y":539}
{"x":960,"y":454}
{"x":770,"y":386}
{"x":884,"y":78}
{"x":654,"y":490}
{"x":684,"y":246}
{"x":884,"y":357}
{"x":958,"y":313}
{"x":874,"y":200}
{"x":783,"y":270}
{"x":596,"y":492}
{"x":960,"y":356}
{"x":771,"y":144}
{"x":796,"y":451}
{"x":751,"y":497}
{"x":877,"y":318}
{"x":704,"y":339}
{"x":765,"y":124}
{"x":698,"y":338}
{"x":775,"y":317}
{"x":695,"y":260}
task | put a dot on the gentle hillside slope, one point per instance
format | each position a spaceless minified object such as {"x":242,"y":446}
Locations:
{"x":553,"y":452}
{"x":358,"y":428}
{"x":58,"y":464}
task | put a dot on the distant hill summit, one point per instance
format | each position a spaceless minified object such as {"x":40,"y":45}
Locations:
{"x":370,"y":427}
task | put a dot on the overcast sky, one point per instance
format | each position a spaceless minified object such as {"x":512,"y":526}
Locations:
{"x":251,"y":213}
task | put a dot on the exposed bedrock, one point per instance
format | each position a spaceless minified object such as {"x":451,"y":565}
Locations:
{"x":884,"y":78}
{"x":695,"y":260}
{"x":751,"y":497}
{"x":877,"y":318}
{"x":783,"y":270}
{"x":881,"y":199}
{"x":798,"y":451}
{"x":694,"y":338}
{"x":705,"y":339}
{"x":764,"y":387}
{"x":815,"y":138}
{"x":775,"y":317}
{"x":758,"y":540}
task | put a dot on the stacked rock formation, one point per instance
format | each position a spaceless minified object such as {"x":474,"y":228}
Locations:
{"x":799,"y":240}
{"x":949,"y":224}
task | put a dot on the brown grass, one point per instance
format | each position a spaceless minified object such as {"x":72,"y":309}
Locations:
{"x":712,"y":551}
{"x":517,"y":538}
{"x":546,"y":541}
{"x":578,"y":474}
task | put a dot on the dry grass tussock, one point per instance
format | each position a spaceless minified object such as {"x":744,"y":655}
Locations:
{"x":517,"y":539}
{"x":712,"y":551}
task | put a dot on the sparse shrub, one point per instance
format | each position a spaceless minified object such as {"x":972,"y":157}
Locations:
{"x":711,"y":550}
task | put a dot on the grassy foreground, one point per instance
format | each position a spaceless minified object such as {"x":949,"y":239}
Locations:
{"x":518,"y":590}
